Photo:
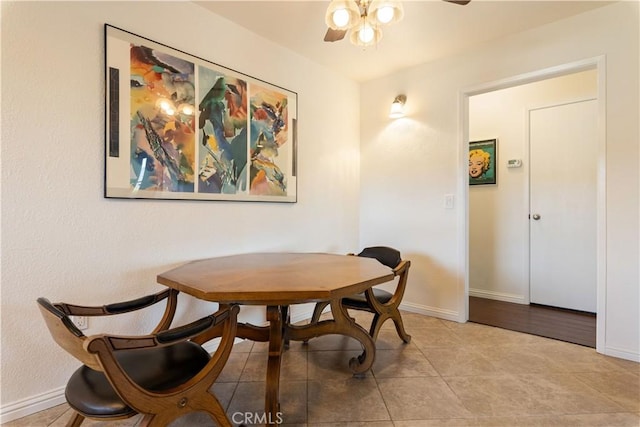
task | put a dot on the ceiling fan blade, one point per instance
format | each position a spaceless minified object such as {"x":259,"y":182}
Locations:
{"x":334,"y":35}
{"x":460,"y":2}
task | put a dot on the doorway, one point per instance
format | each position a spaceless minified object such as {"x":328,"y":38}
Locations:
{"x":501,"y":273}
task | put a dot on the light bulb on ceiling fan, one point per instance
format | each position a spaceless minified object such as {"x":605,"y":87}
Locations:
{"x":385,"y":14}
{"x":341,"y":18}
{"x":386,"y":11}
{"x":365,"y":35}
{"x":342,"y":14}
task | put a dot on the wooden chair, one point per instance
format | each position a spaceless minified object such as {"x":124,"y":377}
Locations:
{"x":384,"y":305}
{"x":162,"y":375}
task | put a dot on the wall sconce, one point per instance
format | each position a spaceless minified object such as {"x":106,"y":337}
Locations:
{"x":397,"y":108}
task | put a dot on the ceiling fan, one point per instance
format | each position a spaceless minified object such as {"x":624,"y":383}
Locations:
{"x":364,"y":19}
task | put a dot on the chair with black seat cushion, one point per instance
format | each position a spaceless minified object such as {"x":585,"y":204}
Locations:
{"x":384,"y":305}
{"x":162,"y":375}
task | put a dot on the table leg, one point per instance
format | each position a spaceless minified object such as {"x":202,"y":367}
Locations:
{"x":272,"y":404}
{"x":285,"y":321}
{"x":362,"y":363}
{"x":341,"y":324}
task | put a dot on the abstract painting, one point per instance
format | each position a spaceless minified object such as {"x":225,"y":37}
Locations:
{"x":181,"y":127}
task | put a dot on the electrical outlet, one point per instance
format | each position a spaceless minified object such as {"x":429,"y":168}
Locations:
{"x":81,"y":322}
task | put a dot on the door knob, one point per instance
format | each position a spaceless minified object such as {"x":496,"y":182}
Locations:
{"x":536,"y":216}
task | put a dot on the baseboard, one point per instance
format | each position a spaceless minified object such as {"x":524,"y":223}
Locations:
{"x":430,"y":311}
{"x":622,"y":354}
{"x":31,"y":405}
{"x":498,"y":296}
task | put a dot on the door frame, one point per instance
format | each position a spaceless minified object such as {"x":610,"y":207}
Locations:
{"x":599,"y":64}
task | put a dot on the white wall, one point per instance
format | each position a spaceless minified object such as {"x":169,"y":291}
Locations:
{"x":62,"y":240}
{"x":408,"y":165}
{"x":498,"y":256}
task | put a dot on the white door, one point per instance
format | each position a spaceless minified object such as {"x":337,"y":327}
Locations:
{"x":562,"y":220}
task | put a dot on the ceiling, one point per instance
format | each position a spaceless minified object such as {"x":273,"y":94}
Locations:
{"x":430,"y":29}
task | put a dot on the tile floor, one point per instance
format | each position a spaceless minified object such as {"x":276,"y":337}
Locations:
{"x":450,"y":374}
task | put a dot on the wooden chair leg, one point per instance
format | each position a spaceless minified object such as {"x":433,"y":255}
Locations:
{"x":75,"y":420}
{"x":376,"y":325}
{"x":216,"y":411}
{"x":286,"y":319}
{"x":317,"y":312}
{"x":397,"y":320}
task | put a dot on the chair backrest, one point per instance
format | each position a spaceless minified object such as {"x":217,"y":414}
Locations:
{"x":66,"y":334}
{"x":384,"y":254}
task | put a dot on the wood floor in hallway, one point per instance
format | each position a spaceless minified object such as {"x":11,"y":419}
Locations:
{"x":551,"y":322}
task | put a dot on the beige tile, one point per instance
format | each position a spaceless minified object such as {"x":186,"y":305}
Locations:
{"x":477,"y":334}
{"x":627,"y":365}
{"x":388,"y":339}
{"x":224,"y":392}
{"x":294,"y":401}
{"x":355,"y":424}
{"x":518,"y":359}
{"x":233,"y":368}
{"x":351,"y":399}
{"x":263,"y":347}
{"x":333,"y":365}
{"x":402,"y":363}
{"x":541,"y":394}
{"x":194,"y":419}
{"x":243,"y":346}
{"x":459,"y":361}
{"x":293,"y":368}
{"x":582,"y":420}
{"x":415,"y":320}
{"x":249,"y":399}
{"x":621,"y":387}
{"x":43,"y":418}
{"x":420,"y":398}
{"x":574,"y":358}
{"x":333,"y":342}
{"x":129,"y":422}
{"x":434,"y":337}
{"x":260,"y":347}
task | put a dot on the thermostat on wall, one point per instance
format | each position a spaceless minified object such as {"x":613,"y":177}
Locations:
{"x":514,"y":163}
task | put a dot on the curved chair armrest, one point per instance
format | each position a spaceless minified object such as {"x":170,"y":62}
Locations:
{"x":402,"y":267}
{"x":402,"y":272}
{"x":189,"y":331}
{"x":116,"y":308}
{"x":170,"y":295}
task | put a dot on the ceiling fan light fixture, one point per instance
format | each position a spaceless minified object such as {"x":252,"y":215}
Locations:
{"x":365,"y":34}
{"x":342,"y":14}
{"x":386,"y":11}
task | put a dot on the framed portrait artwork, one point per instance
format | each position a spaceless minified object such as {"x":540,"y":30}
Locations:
{"x":482,"y":162}
{"x":181,"y":127}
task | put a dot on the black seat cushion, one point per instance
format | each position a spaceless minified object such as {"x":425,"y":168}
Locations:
{"x":359,"y":301}
{"x":90,"y":393}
